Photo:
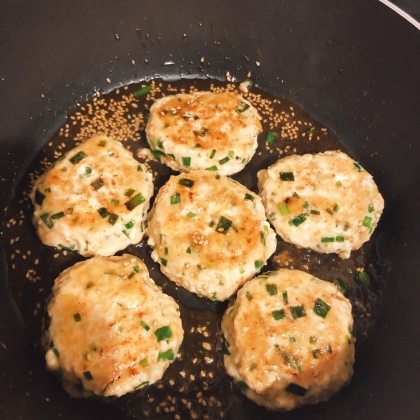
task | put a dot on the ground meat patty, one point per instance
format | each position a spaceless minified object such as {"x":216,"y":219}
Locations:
{"x":94,"y":200}
{"x":209,"y":233}
{"x":204,"y":130}
{"x":289,"y":339}
{"x":112,"y":329}
{"x":326,"y":202}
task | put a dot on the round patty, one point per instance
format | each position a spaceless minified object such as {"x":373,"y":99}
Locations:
{"x":112,"y":329}
{"x":94,"y":200}
{"x":209,"y":233}
{"x":326,"y":202}
{"x":289,"y":339}
{"x":204,"y":130}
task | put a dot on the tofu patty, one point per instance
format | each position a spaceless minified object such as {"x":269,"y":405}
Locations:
{"x":204,"y":130}
{"x":112,"y":329}
{"x":289,"y":339}
{"x":94,"y":200}
{"x":209,"y":233}
{"x":326,"y":202}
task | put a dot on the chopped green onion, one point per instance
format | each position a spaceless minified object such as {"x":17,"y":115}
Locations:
{"x":359,"y":168}
{"x":97,"y":184}
{"x":297,"y":311}
{"x":136,"y":269}
{"x":135,"y":201}
{"x":166,"y":250}
{"x":175,"y":198}
{"x":142,"y":91}
{"x":115,"y":202}
{"x":292,"y":339}
{"x":339,"y":184}
{"x":321,"y":308}
{"x":186,"y":182}
{"x":125,"y":233}
{"x":248,"y":295}
{"x":272,"y":216}
{"x":329,"y":211}
{"x":186,"y":161}
{"x":164,"y":261}
{"x":200,"y":133}
{"x":262,"y":237}
{"x":213,"y":295}
{"x":129,"y":192}
{"x":78,"y":157}
{"x":163,"y":332}
{"x":287,"y":176}
{"x":131,"y":275}
{"x":312,"y":340}
{"x":39,"y":197}
{"x":139,"y":168}
{"x":258,"y":264}
{"x":340,"y":285}
{"x":223,"y":225}
{"x":189,"y":250}
{"x":310,"y":131}
{"x":315,"y":212}
{"x":298,"y":220}
{"x":249,"y":197}
{"x":346,"y":226}
{"x":141,"y":385}
{"x":242,"y":107}
{"x":296,"y":389}
{"x":285,"y":297}
{"x":271,"y":289}
{"x":363,"y":277}
{"x":316,"y":353}
{"x":66,"y":247}
{"x":367,"y":221}
{"x":370,"y":208}
{"x":252,"y":367}
{"x":224,"y":160}
{"x":271,"y":137}
{"x":327,"y":239}
{"x":278,"y":314}
{"x":129,"y":225}
{"x":213,"y":152}
{"x":58,"y":215}
{"x":158,"y":154}
{"x":339,"y":238}
{"x":166,"y":355}
{"x":77,"y":317}
{"x":88,"y":376}
{"x":45,"y":218}
{"x":69,"y":210}
{"x":284,"y":209}
{"x":191,"y":215}
{"x":144,"y":362}
{"x":241,"y":384}
{"x":212,"y":168}
{"x":160,"y":144}
{"x":295,"y":195}
{"x":103,"y":212}
{"x":336,"y":208}
{"x":292,"y":362}
{"x":112,"y":218}
{"x":144,"y":325}
{"x":102,"y":143}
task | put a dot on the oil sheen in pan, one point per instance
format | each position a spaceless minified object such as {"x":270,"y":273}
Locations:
{"x":195,"y":385}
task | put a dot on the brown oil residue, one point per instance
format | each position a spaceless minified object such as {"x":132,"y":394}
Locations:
{"x":195,"y":385}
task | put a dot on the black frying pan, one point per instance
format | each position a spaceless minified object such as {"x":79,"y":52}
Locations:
{"x":352,"y":65}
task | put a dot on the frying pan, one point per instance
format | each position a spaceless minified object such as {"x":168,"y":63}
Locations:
{"x":354,"y":66}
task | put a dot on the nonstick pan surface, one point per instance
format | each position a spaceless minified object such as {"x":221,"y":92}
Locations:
{"x":352,"y":65}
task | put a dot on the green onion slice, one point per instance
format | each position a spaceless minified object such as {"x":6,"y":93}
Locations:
{"x":297,"y":311}
{"x":186,"y":161}
{"x":327,"y":239}
{"x":271,"y":137}
{"x":321,"y":308}
{"x":97,"y":184}
{"x":78,"y":157}
{"x":340,"y":285}
{"x":213,"y":152}
{"x":285,"y":297}
{"x":287,"y":176}
{"x":176,"y":198}
{"x":166,"y":355}
{"x":284,"y":209}
{"x":271,"y":289}
{"x":252,"y":367}
{"x":242,"y":107}
{"x":103,"y":212}
{"x":224,"y":160}
{"x":112,"y":218}
{"x":248,"y":296}
{"x":367,"y":221}
{"x":186,"y":182}
{"x":142,"y":91}
{"x":358,"y":167}
{"x":129,"y":225}
{"x":129,"y":192}
{"x":296,"y":389}
{"x":46,"y":219}
{"x":223,"y":225}
{"x":212,"y":168}
{"x":363,"y":277}
{"x":339,"y":238}
{"x":370,"y":208}
{"x":135,"y":201}
{"x":241,"y":384}
{"x":249,"y":197}
{"x":163,"y":332}
{"x":259,"y":264}
{"x":39,"y":197}
{"x":164,"y":261}
{"x":77,"y":317}
{"x":278,"y":314}
{"x":144,"y":325}
{"x":298,"y":220}
{"x":58,"y":215}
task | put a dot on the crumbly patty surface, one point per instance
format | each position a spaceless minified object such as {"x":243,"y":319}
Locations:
{"x":209,"y":233}
{"x":204,"y":130}
{"x":112,"y":329}
{"x":94,"y":200}
{"x":326,"y":202}
{"x":288,"y":338}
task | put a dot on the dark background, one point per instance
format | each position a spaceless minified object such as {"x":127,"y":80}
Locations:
{"x":351,"y":65}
